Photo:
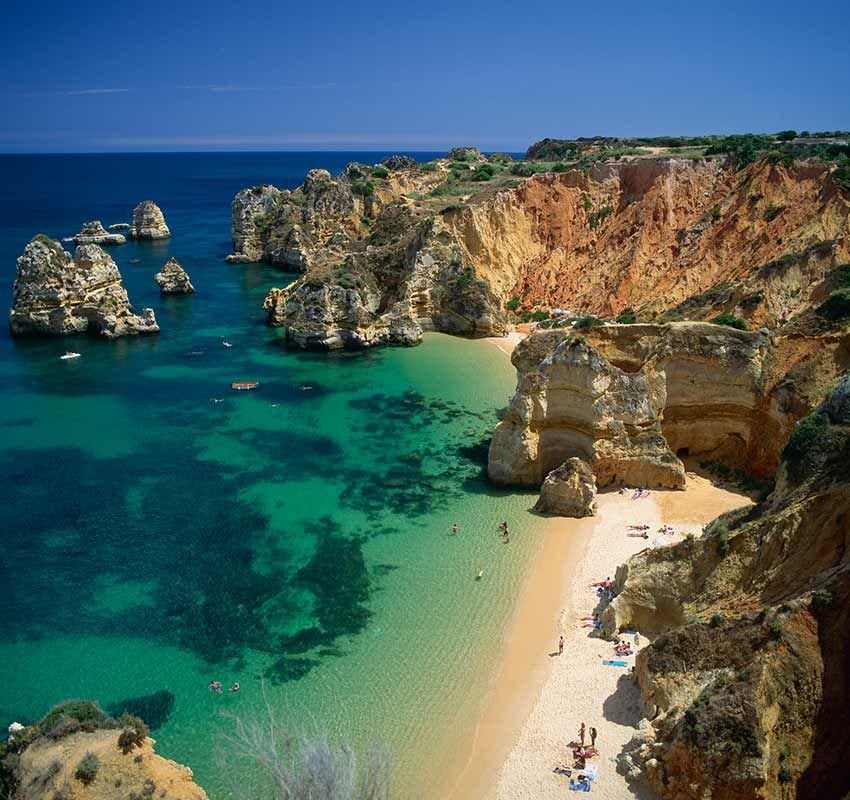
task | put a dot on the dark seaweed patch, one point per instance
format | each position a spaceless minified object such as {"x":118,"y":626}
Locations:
{"x":154,"y":709}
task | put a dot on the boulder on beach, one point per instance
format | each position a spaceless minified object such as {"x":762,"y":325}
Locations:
{"x":569,"y":490}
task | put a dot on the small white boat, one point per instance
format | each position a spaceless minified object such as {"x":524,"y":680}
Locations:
{"x":225,"y":343}
{"x":69,"y":355}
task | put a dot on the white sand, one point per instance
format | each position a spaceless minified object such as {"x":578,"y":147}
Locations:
{"x":509,"y":341}
{"x":579,"y":688}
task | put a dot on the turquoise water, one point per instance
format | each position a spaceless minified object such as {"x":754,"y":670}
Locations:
{"x":295,"y":539}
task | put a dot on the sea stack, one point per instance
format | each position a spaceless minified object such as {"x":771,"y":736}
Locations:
{"x":56,"y":295}
{"x":173,"y":279}
{"x":148,"y":222}
{"x":569,"y":490}
{"x":94,"y":233}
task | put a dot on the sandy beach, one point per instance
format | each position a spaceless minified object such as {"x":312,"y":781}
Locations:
{"x":538,"y":699}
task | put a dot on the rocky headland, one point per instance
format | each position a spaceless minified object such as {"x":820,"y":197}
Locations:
{"x":77,"y":752}
{"x":746,"y":683}
{"x":173,"y":279}
{"x":468,"y":245}
{"x":633,"y":400}
{"x":148,"y":222}
{"x":56,"y":294}
{"x":94,"y":233}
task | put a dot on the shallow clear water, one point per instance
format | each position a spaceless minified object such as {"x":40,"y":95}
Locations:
{"x":295,"y":539}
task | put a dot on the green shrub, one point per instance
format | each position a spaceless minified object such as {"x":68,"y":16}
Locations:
{"x":715,"y":621}
{"x":380,"y":172}
{"x":807,"y":438}
{"x":534,"y":316}
{"x":134,"y":734}
{"x":626,"y":317}
{"x":428,"y":166}
{"x":714,"y":213}
{"x":87,"y":768}
{"x":722,"y":533}
{"x":822,"y":598}
{"x":596,"y":218}
{"x":363,"y":188}
{"x":513,"y":303}
{"x":776,"y":629}
{"x":785,"y":775}
{"x":772,"y":211}
{"x":786,"y":136}
{"x":585,"y":323}
{"x":731,"y":321}
{"x":836,"y":307}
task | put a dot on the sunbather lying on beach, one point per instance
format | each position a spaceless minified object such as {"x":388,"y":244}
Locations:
{"x":639,"y":527}
{"x":643,"y":535}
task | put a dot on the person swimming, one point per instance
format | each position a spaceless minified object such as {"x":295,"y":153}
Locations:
{"x":215,"y":686}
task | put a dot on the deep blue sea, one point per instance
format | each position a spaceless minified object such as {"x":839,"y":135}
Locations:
{"x":295,"y":539}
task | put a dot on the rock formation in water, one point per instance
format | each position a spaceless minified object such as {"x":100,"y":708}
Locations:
{"x":94,"y":233}
{"x":173,"y":279}
{"x":569,"y":490}
{"x":464,"y":243}
{"x":55,"y":294}
{"x":77,"y":752}
{"x":747,"y":681}
{"x":632,"y":399}
{"x":148,"y":222}
{"x":378,"y":270}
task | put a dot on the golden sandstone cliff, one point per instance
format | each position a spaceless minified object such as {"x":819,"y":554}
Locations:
{"x":632,"y":399}
{"x":459,"y":244}
{"x":747,"y":682}
{"x":77,"y":752}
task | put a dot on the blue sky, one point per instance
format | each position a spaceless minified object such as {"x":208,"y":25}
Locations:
{"x":225,"y":75}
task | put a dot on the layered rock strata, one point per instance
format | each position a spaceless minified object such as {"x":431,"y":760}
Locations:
{"x":148,"y":222}
{"x":173,"y":279}
{"x":661,"y":238}
{"x":748,"y":674}
{"x":94,"y":233}
{"x":569,"y":491}
{"x":55,"y":294}
{"x":378,"y":271}
{"x":632,"y":400}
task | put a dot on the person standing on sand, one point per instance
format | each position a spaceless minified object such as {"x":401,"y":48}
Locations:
{"x":561,"y":645}
{"x":581,"y":734}
{"x":593,"y":737}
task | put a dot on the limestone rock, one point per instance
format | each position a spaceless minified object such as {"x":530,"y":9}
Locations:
{"x":396,"y":163}
{"x":569,"y":490}
{"x":631,"y":399}
{"x":94,"y":233}
{"x":173,"y":279}
{"x":48,"y":765}
{"x":249,"y":212}
{"x":148,"y":222}
{"x":748,"y":667}
{"x":55,"y":294}
{"x":463,"y":154}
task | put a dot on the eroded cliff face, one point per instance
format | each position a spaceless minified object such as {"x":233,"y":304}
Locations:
{"x":747,"y":681}
{"x":55,"y":294}
{"x":631,"y":400}
{"x":47,"y":769}
{"x":651,"y":234}
{"x":378,"y":270}
{"x":670,"y":238}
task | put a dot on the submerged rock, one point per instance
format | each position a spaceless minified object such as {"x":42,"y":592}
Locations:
{"x":569,"y":490}
{"x":173,"y":279}
{"x":55,"y":294}
{"x":148,"y":222}
{"x":94,"y":233}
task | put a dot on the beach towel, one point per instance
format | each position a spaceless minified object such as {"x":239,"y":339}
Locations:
{"x":590,"y":771}
{"x":610,"y":663}
{"x":579,"y":787}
